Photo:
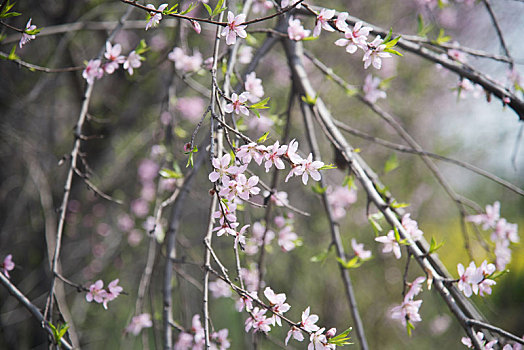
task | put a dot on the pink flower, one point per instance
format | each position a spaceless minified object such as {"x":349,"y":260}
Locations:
{"x":222,"y":168}
{"x":113,"y":291}
{"x":358,"y":249}
{"x":261,"y":6}
{"x":240,"y":235}
{"x":296,"y":31}
{"x":273,"y":156}
{"x":254,"y":87}
{"x":96,"y":292}
{"x":354,"y":38}
{"x":286,"y":3}
{"x":27,"y":37}
{"x":190,"y":108}
{"x":457,"y":55}
{"x":247,"y":187}
{"x":219,"y":289}
{"x":469,"y":279}
{"x":489,"y":219}
{"x":480,"y":336}
{"x":156,"y":17}
{"x":258,"y":321}
{"x":287,"y":239}
{"x":277,"y":303}
{"x":375,"y":53}
{"x":310,"y":168}
{"x":233,"y":28}
{"x":138,"y":323}
{"x":407,"y":311}
{"x":322,"y":21}
{"x":415,"y":288}
{"x":340,"y":199}
{"x":245,"y":54}
{"x":251,"y":151}
{"x":340,"y":22}
{"x":7,"y":265}
{"x":308,"y":321}
{"x":372,"y":91}
{"x":296,"y":333}
{"x":147,"y":170}
{"x":184,"y":62}
{"x":411,"y":228}
{"x":220,"y":338}
{"x":132,"y":61}
{"x":318,"y":341}
{"x":502,"y":254}
{"x":237,"y":104}
{"x":390,"y":244}
{"x":92,"y":71}
{"x":246,"y":302}
{"x":113,"y":56}
{"x":291,"y":152}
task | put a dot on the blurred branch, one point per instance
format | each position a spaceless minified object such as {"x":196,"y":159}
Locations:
{"x":34,"y":67}
{"x":15,"y":292}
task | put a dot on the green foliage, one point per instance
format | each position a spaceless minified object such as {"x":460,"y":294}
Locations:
{"x":310,"y":100}
{"x":190,"y":159}
{"x":349,"y":181}
{"x":189,"y":8}
{"x":353,"y":263}
{"x":433,"y":246}
{"x":318,"y":189}
{"x":5,"y":11}
{"x":342,"y":338}
{"x":59,"y":332}
{"x":263,"y":138}
{"x":218,"y":8}
{"x":170,"y":174}
{"x":423,"y":29}
{"x":391,"y":164}
{"x":373,"y":220}
{"x":442,"y":37}
{"x":390,"y":43}
{"x":142,"y":48}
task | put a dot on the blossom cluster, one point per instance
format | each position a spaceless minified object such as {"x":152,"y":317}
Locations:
{"x":195,"y":338}
{"x":234,"y":186}
{"x":357,"y":38}
{"x":102,"y":296}
{"x":95,"y":69}
{"x":475,"y":279}
{"x":391,"y":244}
{"x":480,"y":337}
{"x":340,"y":199}
{"x":503,"y":233}
{"x":186,"y":63}
{"x":408,"y":311}
{"x":254,"y":92}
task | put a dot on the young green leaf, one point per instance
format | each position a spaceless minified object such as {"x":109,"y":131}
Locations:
{"x":189,"y":8}
{"x":442,"y":38}
{"x":261,"y":104}
{"x":319,"y":189}
{"x":328,"y":167}
{"x":349,"y":181}
{"x":170,"y":174}
{"x":310,"y":100}
{"x":263,"y":138}
{"x":433,"y":246}
{"x":391,"y":164}
{"x":208,"y":8}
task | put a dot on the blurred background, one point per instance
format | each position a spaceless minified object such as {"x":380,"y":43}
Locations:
{"x":140,"y":124}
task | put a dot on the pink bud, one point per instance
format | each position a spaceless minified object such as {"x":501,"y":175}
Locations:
{"x":331,"y":333}
{"x":506,"y":100}
{"x":196,"y":26}
{"x":187,"y":147}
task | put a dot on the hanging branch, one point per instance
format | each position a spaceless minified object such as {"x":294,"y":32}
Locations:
{"x":335,"y":231}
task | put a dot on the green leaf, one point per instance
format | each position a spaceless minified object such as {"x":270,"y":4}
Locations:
{"x":310,"y":100}
{"x":409,"y":328}
{"x":33,"y":32}
{"x":386,"y":83}
{"x":373,"y":220}
{"x":442,"y":38}
{"x":251,"y":40}
{"x":351,"y":92}
{"x":310,"y":38}
{"x":59,"y":332}
{"x":321,"y":257}
{"x":208,"y":8}
{"x":353,"y":263}
{"x":263,"y":138}
{"x":349,"y":181}
{"x":2,"y":37}
{"x":218,"y":8}
{"x":12,"y":55}
{"x":391,"y":164}
{"x":257,"y":113}
{"x":397,"y":235}
{"x":171,"y":10}
{"x":397,"y":205}
{"x":141,"y":47}
{"x":328,"y":167}
{"x":497,"y":274}
{"x":319,"y":189}
{"x":393,"y":51}
{"x":189,"y":9}
{"x":393,"y":42}
{"x":423,"y":29}
{"x":170,"y":174}
{"x":261,"y":104}
{"x":433,"y":246}
{"x":341,"y":339}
